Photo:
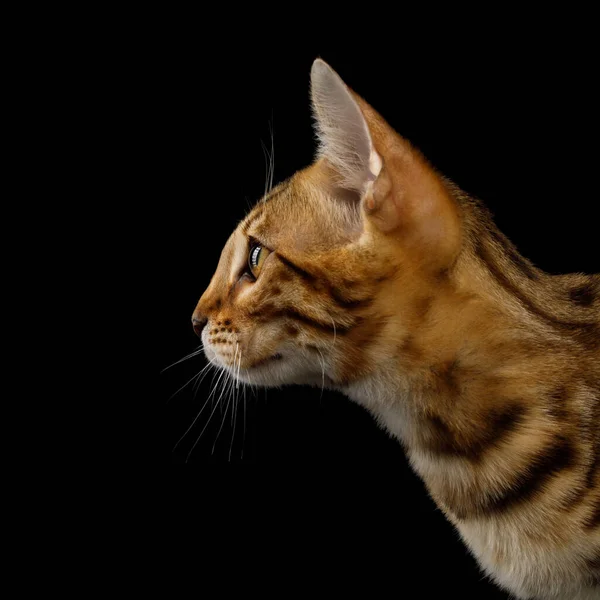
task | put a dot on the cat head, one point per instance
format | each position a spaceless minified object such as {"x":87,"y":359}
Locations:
{"x":332,"y":270}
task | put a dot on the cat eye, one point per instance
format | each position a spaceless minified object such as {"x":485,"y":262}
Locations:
{"x":256,"y":258}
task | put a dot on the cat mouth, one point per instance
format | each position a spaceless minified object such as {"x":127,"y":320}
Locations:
{"x":265,"y":361}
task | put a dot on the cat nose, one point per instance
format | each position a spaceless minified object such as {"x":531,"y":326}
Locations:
{"x":198,"y":324}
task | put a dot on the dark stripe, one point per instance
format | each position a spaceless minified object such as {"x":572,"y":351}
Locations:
{"x":266,"y":360}
{"x":292,"y":313}
{"x":594,"y":468}
{"x":594,"y":562}
{"x":323,"y":284}
{"x":294,"y":267}
{"x":472,"y":445}
{"x":561,"y":455}
{"x":442,"y":275}
{"x":574,"y":498}
{"x":267,"y":312}
{"x":312,"y":347}
{"x":291,"y":330}
{"x":593,"y":520}
{"x":593,"y":385}
{"x":348,"y":302}
{"x":422,"y":307}
{"x":448,"y":376}
{"x":216,"y":306}
{"x":409,"y":349}
{"x":511,"y":252}
{"x":558,"y":403}
{"x":390,"y":273}
{"x":588,"y":333}
{"x":584,"y":295}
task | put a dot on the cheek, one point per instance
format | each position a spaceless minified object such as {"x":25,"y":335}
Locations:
{"x":240,"y":341}
{"x":261,"y":339}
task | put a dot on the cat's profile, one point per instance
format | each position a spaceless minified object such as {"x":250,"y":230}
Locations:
{"x":372,"y":274}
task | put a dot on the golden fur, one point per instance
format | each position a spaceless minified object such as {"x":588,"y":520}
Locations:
{"x":401,"y":292}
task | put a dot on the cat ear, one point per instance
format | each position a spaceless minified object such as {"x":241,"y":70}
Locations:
{"x":400,"y":192}
{"x":344,"y":137}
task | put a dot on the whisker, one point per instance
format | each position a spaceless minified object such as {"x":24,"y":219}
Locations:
{"x":229,"y":389}
{"x":222,"y":371}
{"x":272,"y":153}
{"x":192,"y":424}
{"x":237,"y":383}
{"x":235,"y":405}
{"x":323,"y":373}
{"x":218,"y":403}
{"x":222,"y":423}
{"x":203,"y":429}
{"x":206,"y":372}
{"x":196,"y":376}
{"x":227,"y":386}
{"x":234,"y":381}
{"x":267,"y":166}
{"x":198,"y":383}
{"x":190,"y":355}
{"x":230,"y":381}
{"x":334,"y":332}
{"x":235,"y":412}
{"x":244,"y":429}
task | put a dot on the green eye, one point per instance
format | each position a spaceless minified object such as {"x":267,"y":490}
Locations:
{"x":256,"y":258}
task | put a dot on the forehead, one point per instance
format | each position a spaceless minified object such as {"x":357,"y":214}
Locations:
{"x":298,"y":215}
{"x":260,"y":220}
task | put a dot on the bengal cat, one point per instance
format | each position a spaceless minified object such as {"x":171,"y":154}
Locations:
{"x":371,"y":273}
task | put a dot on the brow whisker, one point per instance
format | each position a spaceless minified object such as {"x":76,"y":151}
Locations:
{"x":269,"y":160}
{"x":267,"y":157}
{"x":272,"y":153}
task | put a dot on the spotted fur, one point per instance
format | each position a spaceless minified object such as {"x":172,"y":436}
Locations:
{"x":387,"y":282}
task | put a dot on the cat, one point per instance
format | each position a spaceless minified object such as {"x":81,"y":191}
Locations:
{"x":370,"y":273}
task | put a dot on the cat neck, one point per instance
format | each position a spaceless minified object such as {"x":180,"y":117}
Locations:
{"x":477,"y":346}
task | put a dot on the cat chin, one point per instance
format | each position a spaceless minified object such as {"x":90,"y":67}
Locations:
{"x":272,"y":374}
{"x":279,"y":372}
{"x":274,"y":371}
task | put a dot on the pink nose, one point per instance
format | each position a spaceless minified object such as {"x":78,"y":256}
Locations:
{"x":198,"y":325}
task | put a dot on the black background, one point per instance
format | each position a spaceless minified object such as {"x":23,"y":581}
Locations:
{"x":513,"y":122}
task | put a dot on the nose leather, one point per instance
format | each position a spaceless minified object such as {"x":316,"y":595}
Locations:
{"x":198,"y":325}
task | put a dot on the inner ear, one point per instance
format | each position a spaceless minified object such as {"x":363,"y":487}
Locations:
{"x":344,"y":136}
